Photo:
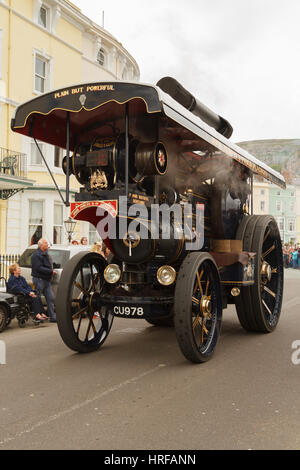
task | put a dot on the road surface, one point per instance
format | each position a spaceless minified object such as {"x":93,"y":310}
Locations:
{"x":138,"y":391}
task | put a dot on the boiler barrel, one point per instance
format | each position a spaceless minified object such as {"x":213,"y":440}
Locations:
{"x":173,"y":88}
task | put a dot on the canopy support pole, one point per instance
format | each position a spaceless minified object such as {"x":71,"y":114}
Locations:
{"x":127,"y":150}
{"x":251,"y":183}
{"x":157,"y":177}
{"x":49,"y":171}
{"x":68,"y":162}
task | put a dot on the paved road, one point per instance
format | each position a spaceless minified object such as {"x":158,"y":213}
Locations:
{"x":138,"y":392}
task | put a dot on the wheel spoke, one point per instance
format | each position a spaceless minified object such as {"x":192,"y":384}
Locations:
{"x":266,"y":236}
{"x":206,"y":290}
{"x":202,"y":335}
{"x":199,"y":276}
{"x":91,"y":324}
{"x":270,"y":291}
{"x":92,"y":278}
{"x":199,"y":320}
{"x":82,"y":278}
{"x":81,"y":288}
{"x":203,"y":329}
{"x":268,"y":251}
{"x":80,"y":312}
{"x":269,"y":311}
{"x":78,"y":326}
{"x":195,"y":323}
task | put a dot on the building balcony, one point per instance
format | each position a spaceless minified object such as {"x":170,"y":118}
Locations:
{"x":13,"y":173}
{"x":12,"y":163}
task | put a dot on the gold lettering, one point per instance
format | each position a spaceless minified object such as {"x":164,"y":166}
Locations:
{"x":92,"y":88}
{"x":61,"y":94}
{"x":77,"y":90}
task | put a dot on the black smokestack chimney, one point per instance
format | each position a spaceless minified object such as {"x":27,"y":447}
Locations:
{"x":173,"y":88}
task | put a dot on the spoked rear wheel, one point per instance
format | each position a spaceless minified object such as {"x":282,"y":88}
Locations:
{"x":83,"y":322}
{"x":259,"y":306}
{"x":198,"y":307}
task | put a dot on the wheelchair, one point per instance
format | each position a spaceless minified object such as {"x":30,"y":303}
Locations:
{"x":15,"y":305}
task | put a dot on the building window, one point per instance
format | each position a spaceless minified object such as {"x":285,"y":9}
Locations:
{"x":93,"y":235}
{"x":278,"y":206}
{"x":262,"y":192}
{"x":101,"y":57}
{"x":35,"y":156}
{"x":292,"y":193}
{"x":43,"y":17}
{"x":291,"y":225}
{"x":40,"y":74}
{"x":281,"y":224}
{"x":36,"y":209}
{"x":262,"y":205}
{"x":292,"y":207}
{"x":58,"y":157}
{"x":278,"y":193}
{"x":58,"y":223}
{"x":1,"y":51}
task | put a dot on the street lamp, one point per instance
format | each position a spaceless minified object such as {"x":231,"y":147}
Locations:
{"x":70,"y":227}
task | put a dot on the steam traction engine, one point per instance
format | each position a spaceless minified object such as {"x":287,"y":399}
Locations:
{"x":138,"y":150}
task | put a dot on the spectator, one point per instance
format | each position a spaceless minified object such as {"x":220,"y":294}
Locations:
{"x":83,"y":241}
{"x":17,"y":284}
{"x":97,"y":248}
{"x":290,"y":251}
{"x":100,"y":247}
{"x":75,"y":242}
{"x":106,"y":251}
{"x":285,"y":256}
{"x":42,"y":272}
{"x":295,"y":258}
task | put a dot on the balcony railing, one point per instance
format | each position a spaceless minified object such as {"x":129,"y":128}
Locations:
{"x":5,"y":262}
{"x":12,"y":163}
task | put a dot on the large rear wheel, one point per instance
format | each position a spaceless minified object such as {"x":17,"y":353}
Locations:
{"x":198,"y":307}
{"x":259,"y":306}
{"x":83,"y":322}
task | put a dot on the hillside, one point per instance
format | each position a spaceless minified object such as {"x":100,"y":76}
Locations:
{"x":281,"y":154}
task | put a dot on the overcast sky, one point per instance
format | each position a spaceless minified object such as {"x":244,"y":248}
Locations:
{"x":239,"y":57}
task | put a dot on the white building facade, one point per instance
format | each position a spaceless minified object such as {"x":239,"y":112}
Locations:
{"x":55,"y":46}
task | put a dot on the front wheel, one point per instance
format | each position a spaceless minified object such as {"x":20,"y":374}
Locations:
{"x":198,"y":307}
{"x":83,"y":322}
{"x":3,"y":318}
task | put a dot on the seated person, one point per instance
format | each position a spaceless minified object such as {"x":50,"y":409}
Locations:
{"x":17,"y":284}
{"x":101,"y":248}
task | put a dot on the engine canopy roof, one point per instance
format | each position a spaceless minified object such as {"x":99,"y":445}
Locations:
{"x":93,"y":107}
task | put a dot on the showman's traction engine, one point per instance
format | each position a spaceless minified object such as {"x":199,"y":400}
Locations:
{"x":172,"y":198}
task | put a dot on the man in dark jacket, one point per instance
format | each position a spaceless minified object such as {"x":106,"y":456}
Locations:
{"x":17,"y":284}
{"x":42,"y":272}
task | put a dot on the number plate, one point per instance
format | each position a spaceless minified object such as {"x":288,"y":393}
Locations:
{"x":127,"y":311}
